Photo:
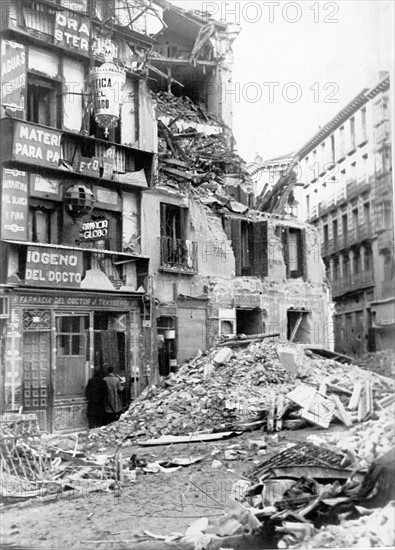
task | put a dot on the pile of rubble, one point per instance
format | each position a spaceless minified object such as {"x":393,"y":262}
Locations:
{"x":227,"y":388}
{"x":381,"y":362}
{"x":169,"y":105}
{"x":193,"y":146}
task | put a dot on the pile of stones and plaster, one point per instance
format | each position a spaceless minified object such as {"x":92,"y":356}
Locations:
{"x":269,"y":382}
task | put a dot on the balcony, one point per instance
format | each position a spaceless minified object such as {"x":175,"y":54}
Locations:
{"x":341,"y":197}
{"x":352,"y":282}
{"x":340,"y":286}
{"x":322,"y":207}
{"x":385,"y":240}
{"x":178,"y":255}
{"x":329,"y":247}
{"x":362,"y":279}
{"x":352,"y":236}
{"x":313,"y":214}
{"x":364,"y":184}
{"x":331,"y":202}
{"x":365,"y":231}
{"x":387,"y":289}
{"x":384,"y":185}
{"x":352,"y":189}
{"x":382,"y":132}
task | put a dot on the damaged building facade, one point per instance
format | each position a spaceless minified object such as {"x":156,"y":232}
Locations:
{"x":218,"y":268}
{"x":131,"y":239}
{"x":72,"y":272}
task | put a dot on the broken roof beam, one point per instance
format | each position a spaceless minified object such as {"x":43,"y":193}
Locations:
{"x":163,"y":75}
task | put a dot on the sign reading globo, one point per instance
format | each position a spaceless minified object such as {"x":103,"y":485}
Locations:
{"x":94,"y":230}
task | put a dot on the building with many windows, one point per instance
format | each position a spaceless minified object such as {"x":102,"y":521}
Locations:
{"x":345,"y":189}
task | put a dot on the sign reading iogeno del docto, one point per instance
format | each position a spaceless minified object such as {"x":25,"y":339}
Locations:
{"x":53,"y":267}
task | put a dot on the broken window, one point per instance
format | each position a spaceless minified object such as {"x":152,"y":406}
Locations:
{"x":43,"y":102}
{"x":294,"y":252}
{"x":176,"y":251}
{"x":249,"y":243}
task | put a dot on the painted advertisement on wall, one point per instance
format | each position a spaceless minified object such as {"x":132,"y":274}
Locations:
{"x":14,"y":205}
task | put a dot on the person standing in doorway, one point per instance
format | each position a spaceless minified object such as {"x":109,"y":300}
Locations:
{"x":112,"y":401}
{"x":95,"y":393}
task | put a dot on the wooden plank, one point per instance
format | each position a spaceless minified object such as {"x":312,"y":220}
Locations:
{"x":338,"y":389}
{"x":270,"y":415}
{"x":341,"y":412}
{"x":362,"y":409}
{"x":355,"y":397}
{"x":192,"y":438}
{"x":323,"y":389}
{"x":297,"y":325}
{"x":279,"y":413}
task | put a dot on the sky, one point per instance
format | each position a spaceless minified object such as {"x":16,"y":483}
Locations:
{"x":296,"y":64}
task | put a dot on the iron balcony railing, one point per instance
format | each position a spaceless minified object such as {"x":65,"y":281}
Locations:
{"x":352,"y":282}
{"x":178,"y":254}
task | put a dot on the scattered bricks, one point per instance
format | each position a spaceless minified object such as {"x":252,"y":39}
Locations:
{"x":223,"y":356}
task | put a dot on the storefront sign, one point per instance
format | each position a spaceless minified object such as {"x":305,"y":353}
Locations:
{"x":36,"y":145}
{"x":14,"y":205}
{"x":53,"y":267}
{"x":89,"y":166}
{"x":107,"y":196}
{"x":13,"y":75}
{"x":72,"y":31}
{"x":94,"y":230}
{"x":44,"y":185}
{"x":72,"y":301}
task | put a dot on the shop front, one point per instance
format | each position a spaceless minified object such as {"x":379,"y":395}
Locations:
{"x":55,"y":339}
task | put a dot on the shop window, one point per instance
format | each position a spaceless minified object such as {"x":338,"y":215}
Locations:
{"x":294,"y":252}
{"x":43,"y":101}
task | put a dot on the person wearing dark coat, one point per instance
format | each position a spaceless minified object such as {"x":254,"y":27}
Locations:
{"x":95,"y":392}
{"x":112,"y":401}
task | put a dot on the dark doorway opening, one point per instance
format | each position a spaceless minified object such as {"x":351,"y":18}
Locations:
{"x":249,"y":321}
{"x":297,"y":326}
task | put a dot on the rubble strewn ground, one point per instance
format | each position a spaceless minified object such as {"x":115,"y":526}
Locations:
{"x":238,"y":388}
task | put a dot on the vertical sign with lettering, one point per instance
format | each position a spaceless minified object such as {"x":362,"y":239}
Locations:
{"x":14,"y":205}
{"x":13,"y":75}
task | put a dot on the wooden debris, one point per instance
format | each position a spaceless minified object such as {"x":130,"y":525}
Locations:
{"x":279,"y":413}
{"x":271,"y":413}
{"x":341,"y":412}
{"x":355,"y":397}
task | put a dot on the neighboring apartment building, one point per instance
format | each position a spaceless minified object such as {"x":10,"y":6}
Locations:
{"x":346,"y":170}
{"x":72,"y":276}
